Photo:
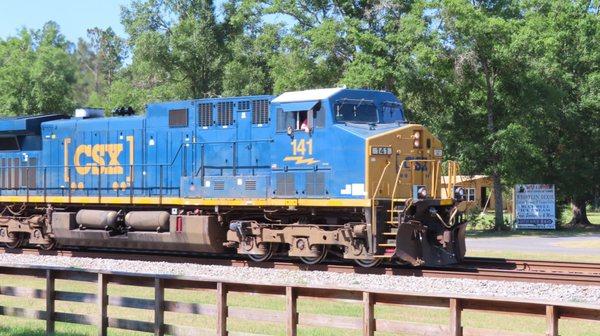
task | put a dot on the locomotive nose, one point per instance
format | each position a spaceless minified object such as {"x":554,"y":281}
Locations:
{"x":402,"y":159}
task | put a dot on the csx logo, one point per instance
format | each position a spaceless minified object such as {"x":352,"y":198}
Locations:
{"x":98,"y":159}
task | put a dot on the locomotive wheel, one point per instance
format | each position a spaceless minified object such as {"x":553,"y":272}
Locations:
{"x":50,"y":246}
{"x":368,"y":263}
{"x":21,"y":240}
{"x":321,"y":251}
{"x":269,"y":250}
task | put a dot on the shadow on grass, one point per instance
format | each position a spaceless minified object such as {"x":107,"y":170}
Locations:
{"x":24,"y":331}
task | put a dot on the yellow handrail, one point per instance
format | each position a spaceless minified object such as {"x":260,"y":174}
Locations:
{"x":453,"y":168}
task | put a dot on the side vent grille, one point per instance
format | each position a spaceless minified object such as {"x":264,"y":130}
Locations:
{"x":250,"y":185}
{"x":243,"y":105}
{"x":315,"y":184}
{"x":205,"y":114}
{"x":225,"y":113}
{"x":285,"y":184}
{"x":219,"y":185}
{"x":260,"y":112}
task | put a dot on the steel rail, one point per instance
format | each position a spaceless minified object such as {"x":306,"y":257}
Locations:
{"x":587,"y":274}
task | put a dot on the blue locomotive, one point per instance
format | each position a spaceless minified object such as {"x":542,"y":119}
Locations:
{"x":304,"y":174}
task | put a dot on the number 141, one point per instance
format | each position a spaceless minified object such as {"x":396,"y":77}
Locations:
{"x":300,"y":147}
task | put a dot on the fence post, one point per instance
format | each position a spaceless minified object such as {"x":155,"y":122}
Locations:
{"x":551,"y":321}
{"x":291,"y":311}
{"x":159,"y":313}
{"x":49,"y":302}
{"x":221,"y":309}
{"x":455,"y":317}
{"x":102,"y":302}
{"x":368,"y":314}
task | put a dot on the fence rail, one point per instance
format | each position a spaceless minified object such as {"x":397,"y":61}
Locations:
{"x":368,"y":324}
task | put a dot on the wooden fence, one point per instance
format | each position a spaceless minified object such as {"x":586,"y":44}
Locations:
{"x":368,"y":324}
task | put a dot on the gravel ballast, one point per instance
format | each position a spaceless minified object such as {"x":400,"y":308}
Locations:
{"x":438,"y":286}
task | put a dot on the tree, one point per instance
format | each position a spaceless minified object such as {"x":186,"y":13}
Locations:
{"x":249,"y":44}
{"x":36,"y":72}
{"x":175,"y":43}
{"x":563,"y":41}
{"x":474,"y":90}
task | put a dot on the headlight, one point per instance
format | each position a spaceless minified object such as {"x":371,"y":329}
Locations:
{"x":459,"y":193}
{"x":417,"y":139}
{"x":422,"y":193}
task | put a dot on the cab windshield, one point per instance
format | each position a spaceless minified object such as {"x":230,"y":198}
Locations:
{"x":356,"y":111}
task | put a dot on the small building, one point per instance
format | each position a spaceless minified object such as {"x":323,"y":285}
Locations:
{"x":479,"y":189}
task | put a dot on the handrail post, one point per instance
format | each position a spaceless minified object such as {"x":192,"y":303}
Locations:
{"x":45,"y":193}
{"x":27,"y":182}
{"x":160,"y":188}
{"x":99,"y":186}
{"x":131,"y":187}
{"x":221,"y":309}
{"x":69,"y":185}
{"x":394,"y":190}
{"x":159,"y":312}
{"x":368,"y":314}
{"x":102,"y":303}
{"x":455,"y":317}
{"x":49,"y":302}
{"x":291,"y":312}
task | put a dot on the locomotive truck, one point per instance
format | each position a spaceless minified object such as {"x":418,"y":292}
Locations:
{"x":325,"y":173}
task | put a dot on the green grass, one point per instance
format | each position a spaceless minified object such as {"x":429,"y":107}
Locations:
{"x":21,"y":327}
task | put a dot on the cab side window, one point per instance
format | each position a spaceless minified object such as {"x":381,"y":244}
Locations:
{"x":301,"y":120}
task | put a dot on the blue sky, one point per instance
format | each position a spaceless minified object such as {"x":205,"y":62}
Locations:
{"x":74,"y":17}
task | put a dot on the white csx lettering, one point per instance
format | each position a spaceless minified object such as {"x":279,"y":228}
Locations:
{"x":97,"y":153}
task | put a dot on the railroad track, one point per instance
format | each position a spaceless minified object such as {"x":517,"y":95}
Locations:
{"x":472,"y":268}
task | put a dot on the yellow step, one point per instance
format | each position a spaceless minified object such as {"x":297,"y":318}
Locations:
{"x":393,"y":234}
{"x":386,"y":245}
{"x":381,"y":256}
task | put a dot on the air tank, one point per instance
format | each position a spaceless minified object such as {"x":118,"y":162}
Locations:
{"x":148,"y":220}
{"x":96,"y":219}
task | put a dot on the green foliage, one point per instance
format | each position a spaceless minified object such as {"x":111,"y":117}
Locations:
{"x":511,"y":87}
{"x":36,"y":72}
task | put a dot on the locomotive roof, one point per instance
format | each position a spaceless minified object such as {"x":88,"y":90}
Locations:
{"x":26,"y":124}
{"x":315,"y":94}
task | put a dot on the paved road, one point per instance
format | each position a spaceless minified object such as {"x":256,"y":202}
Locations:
{"x":587,"y":244}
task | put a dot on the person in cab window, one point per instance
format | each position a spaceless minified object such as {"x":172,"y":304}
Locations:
{"x":303,"y":121}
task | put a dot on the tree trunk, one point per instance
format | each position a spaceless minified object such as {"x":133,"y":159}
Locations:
{"x":498,"y":202}
{"x":496,"y":159}
{"x":579,"y":213}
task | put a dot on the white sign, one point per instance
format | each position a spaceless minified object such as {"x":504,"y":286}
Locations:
{"x":535,"y":206}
